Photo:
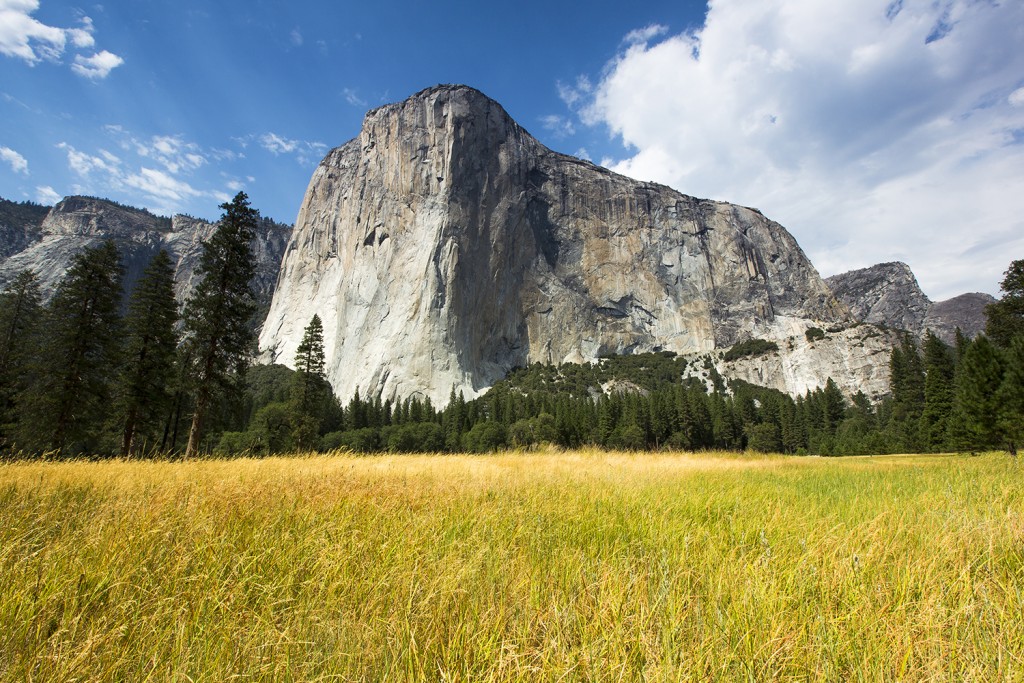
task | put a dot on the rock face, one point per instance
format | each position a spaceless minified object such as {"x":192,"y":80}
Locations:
{"x":444,"y":246}
{"x":80,"y":222}
{"x":888,"y":294}
{"x":857,"y":358}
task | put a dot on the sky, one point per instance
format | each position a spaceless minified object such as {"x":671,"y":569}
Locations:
{"x":874,"y":130}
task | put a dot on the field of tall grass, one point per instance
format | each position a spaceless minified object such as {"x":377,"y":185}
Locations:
{"x":550,"y":566}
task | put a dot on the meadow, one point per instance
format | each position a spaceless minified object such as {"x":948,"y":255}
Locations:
{"x":550,"y":566}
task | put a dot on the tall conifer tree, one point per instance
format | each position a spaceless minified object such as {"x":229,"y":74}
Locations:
{"x":66,"y":405}
{"x":20,"y":313}
{"x":218,"y":335}
{"x":143,"y":395}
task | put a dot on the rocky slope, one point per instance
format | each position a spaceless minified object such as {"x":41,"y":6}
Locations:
{"x":888,"y":294}
{"x":79,"y":222}
{"x":444,"y":245}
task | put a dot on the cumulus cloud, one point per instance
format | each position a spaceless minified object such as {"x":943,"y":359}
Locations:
{"x":873,"y":130}
{"x":47,"y":195}
{"x":98,"y":66}
{"x":17,"y":162}
{"x":26,"y":38}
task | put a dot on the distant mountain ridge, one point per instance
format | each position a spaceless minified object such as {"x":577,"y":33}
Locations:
{"x":45,"y":239}
{"x":888,"y":294}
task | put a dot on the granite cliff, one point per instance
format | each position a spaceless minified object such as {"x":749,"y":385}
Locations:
{"x":45,"y":241}
{"x":444,"y":246}
{"x":888,"y":294}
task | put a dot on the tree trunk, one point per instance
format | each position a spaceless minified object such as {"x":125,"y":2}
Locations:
{"x":195,"y":431}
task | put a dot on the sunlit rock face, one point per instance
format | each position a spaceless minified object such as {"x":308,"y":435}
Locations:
{"x":444,"y":246}
{"x":888,"y":294}
{"x":76,"y":223}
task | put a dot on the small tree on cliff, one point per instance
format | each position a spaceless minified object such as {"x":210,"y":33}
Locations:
{"x":218,"y":337}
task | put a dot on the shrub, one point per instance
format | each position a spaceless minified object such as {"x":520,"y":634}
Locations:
{"x":750,"y":347}
{"x":814,"y":334}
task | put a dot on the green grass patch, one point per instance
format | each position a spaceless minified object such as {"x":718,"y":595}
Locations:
{"x":551,"y":566}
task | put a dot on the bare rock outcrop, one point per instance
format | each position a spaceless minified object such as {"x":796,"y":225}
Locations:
{"x":888,"y":294}
{"x":444,"y":246}
{"x":76,"y":223}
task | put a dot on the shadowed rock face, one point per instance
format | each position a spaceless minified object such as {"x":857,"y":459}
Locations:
{"x":80,"y":222}
{"x":444,"y":246}
{"x":888,"y":294}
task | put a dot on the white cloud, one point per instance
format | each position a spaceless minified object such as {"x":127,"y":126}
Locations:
{"x":582,"y":153}
{"x":97,"y":66}
{"x":352,"y":97}
{"x":17,"y":162}
{"x":644,"y":35}
{"x":161,"y":185}
{"x":28,"y":39}
{"x":275,"y":144}
{"x":573,"y":94}
{"x":84,"y":164}
{"x":873,"y":130}
{"x":296,"y":37}
{"x":305,"y":152}
{"x":173,"y":152}
{"x":558,"y":126}
{"x":47,"y":195}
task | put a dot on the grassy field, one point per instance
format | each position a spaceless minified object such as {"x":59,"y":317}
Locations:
{"x":552,"y":566}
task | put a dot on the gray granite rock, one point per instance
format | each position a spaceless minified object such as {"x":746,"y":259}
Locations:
{"x":444,"y":246}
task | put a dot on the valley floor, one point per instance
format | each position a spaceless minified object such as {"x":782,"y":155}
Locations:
{"x":548,"y":566}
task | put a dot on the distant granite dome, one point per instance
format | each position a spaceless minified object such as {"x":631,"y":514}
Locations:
{"x":888,"y":294}
{"x":76,"y":223}
{"x":444,"y":246}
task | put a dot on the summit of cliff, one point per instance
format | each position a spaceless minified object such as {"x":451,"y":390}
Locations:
{"x":444,"y":246}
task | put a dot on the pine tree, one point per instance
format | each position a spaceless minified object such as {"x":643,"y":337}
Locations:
{"x":20,"y":313}
{"x":978,"y":381}
{"x":1011,"y":396}
{"x":1006,"y":316}
{"x":938,"y":393}
{"x":311,"y":390}
{"x":65,"y":408}
{"x":218,"y":336}
{"x":143,"y":394}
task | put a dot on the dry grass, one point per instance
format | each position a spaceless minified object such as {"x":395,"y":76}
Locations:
{"x":552,"y":566}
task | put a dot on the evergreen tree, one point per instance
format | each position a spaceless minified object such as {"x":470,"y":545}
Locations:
{"x":143,"y":393}
{"x":938,"y":393}
{"x":907,"y":384}
{"x":66,"y":405}
{"x":311,"y":390}
{"x":978,"y":382}
{"x":218,"y":337}
{"x":1006,"y":316}
{"x":1011,"y":396}
{"x":20,"y":313}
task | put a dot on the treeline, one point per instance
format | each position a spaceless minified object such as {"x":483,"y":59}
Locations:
{"x":91,"y":374}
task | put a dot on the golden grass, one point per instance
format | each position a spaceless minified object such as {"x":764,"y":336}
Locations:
{"x":551,"y":566}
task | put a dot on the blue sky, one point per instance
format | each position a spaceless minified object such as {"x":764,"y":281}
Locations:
{"x":874,"y":130}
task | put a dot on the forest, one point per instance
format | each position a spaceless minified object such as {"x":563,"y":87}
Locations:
{"x":92,"y":373}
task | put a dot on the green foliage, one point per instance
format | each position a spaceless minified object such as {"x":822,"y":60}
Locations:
{"x":65,"y":406}
{"x":218,"y":336}
{"x":1005,"y":318}
{"x":814,"y":334}
{"x":142,"y":395}
{"x":750,"y":347}
{"x":20,"y":316}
